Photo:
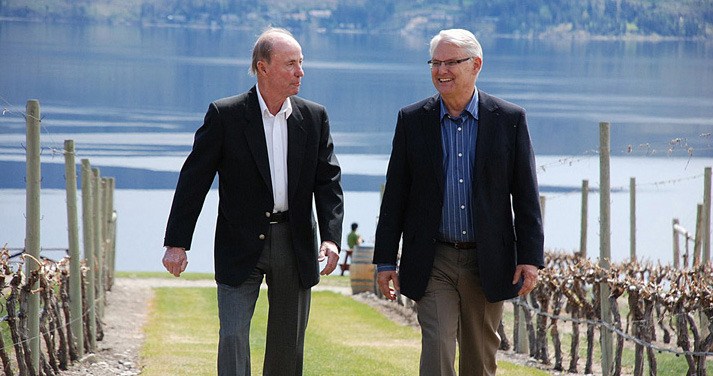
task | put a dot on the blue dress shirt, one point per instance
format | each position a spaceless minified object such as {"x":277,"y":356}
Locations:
{"x":458,"y":138}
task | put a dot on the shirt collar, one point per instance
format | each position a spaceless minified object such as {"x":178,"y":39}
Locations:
{"x":286,"y":106}
{"x":471,"y":108}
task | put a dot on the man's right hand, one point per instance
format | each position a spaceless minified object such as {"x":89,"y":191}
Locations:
{"x":175,"y":260}
{"x":383,"y":279}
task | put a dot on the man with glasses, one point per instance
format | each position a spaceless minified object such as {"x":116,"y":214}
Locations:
{"x":461,"y":189}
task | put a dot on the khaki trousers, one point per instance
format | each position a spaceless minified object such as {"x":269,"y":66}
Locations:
{"x":453,"y":309}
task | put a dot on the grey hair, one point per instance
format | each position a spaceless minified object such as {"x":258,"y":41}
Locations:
{"x":458,"y":37}
{"x":264,"y":44}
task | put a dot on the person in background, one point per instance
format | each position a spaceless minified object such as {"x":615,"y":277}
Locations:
{"x":461,"y":165}
{"x":273,"y":154}
{"x":353,"y":240}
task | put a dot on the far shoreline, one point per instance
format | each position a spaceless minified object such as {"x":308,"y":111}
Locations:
{"x":579,"y":35}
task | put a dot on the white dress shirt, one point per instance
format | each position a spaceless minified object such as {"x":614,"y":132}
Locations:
{"x":276,"y":136}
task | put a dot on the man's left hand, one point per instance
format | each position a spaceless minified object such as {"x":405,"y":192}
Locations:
{"x":529,"y":274}
{"x":328,"y":250}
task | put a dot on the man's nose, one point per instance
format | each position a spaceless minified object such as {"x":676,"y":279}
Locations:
{"x":299,"y":72}
{"x":442,"y":68}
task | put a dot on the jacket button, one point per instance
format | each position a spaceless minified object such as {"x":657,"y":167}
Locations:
{"x":267,"y":214}
{"x":261,"y":237}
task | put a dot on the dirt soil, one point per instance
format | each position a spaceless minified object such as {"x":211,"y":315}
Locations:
{"x":127,"y":311}
{"x":125,"y":315}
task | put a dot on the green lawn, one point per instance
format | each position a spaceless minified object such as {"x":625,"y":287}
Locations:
{"x":344,"y":337}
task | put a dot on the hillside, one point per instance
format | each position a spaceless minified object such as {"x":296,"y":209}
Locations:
{"x":533,"y":18}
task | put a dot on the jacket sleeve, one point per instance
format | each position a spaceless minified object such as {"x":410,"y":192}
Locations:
{"x":329,"y":198}
{"x":194,"y":181}
{"x":526,"y":201}
{"x":393,"y":203}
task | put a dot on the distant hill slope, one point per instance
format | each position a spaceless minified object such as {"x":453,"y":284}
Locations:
{"x":532,"y":18}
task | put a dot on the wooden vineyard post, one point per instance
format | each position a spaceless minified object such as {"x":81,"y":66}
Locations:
{"x":75,"y":270}
{"x":605,"y":244}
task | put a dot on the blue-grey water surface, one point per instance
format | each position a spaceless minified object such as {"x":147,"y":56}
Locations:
{"x":132,"y":97}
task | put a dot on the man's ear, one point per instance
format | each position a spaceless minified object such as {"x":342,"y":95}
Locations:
{"x":477,"y":64}
{"x":261,"y":67}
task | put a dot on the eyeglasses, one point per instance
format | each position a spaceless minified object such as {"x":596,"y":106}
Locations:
{"x":435,"y":64}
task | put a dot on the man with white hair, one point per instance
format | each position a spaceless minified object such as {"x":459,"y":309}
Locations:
{"x":461,"y":190}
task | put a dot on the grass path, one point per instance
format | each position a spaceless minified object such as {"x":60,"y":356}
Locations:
{"x":344,"y":337}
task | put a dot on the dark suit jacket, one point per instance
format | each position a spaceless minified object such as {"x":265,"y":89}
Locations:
{"x":504,"y":177}
{"x":232,"y":144}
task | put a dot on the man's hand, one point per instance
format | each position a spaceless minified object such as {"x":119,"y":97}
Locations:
{"x":175,"y":260}
{"x":383,"y":278}
{"x":328,"y":250}
{"x":529,"y":273}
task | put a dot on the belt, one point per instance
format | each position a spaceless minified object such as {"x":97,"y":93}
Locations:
{"x":458,"y":245}
{"x":279,"y":217}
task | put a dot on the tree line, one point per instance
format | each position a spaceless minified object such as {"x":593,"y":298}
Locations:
{"x":682,"y":18}
{"x":667,"y":18}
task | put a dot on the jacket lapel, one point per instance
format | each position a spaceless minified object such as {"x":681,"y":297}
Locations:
{"x":296,"y":141}
{"x":432,"y":130}
{"x":255,"y":135}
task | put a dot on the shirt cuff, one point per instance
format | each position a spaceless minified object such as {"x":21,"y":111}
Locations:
{"x":385,"y":268}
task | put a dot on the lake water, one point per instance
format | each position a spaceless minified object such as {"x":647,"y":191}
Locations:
{"x":131,"y":99}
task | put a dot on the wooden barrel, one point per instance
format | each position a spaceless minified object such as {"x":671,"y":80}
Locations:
{"x":362,"y":273}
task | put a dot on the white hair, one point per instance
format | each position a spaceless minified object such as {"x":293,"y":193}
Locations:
{"x":461,"y":38}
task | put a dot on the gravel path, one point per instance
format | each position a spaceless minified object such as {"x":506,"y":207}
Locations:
{"x":125,"y":315}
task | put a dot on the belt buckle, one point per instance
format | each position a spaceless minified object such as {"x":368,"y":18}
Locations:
{"x":278,"y":217}
{"x":466,"y":245}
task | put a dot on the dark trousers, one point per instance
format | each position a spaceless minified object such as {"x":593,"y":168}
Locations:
{"x":287,"y":318}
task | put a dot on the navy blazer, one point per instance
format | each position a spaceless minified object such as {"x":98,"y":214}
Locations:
{"x":231,"y":142}
{"x":508,"y":223}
